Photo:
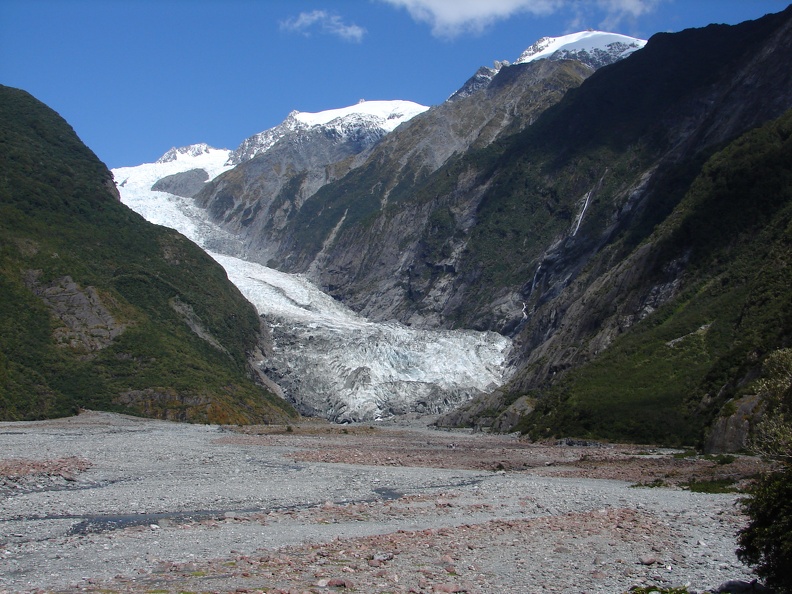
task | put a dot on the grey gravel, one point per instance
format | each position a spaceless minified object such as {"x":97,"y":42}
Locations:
{"x":166,"y":492}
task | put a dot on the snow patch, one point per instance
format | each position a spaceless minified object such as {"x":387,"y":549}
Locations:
{"x":377,"y":117}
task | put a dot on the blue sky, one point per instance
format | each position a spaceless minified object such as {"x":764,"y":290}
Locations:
{"x":136,"y":77}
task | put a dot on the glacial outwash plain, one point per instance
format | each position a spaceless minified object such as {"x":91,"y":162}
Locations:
{"x":535,"y":338}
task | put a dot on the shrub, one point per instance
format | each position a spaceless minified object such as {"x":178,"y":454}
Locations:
{"x":766,"y":542}
{"x":712,"y":486}
{"x":773,"y":436}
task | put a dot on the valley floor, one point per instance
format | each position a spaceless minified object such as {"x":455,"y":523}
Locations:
{"x":104,"y":502}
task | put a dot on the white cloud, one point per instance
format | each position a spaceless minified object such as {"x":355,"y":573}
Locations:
{"x":617,"y":10}
{"x":634,"y":8}
{"x":325,"y":22}
{"x":449,"y":18}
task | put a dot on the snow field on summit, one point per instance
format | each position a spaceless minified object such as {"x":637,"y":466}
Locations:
{"x":392,"y":113}
{"x":579,"y":42}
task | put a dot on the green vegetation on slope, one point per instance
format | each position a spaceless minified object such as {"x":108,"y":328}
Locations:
{"x":179,"y":330}
{"x":665,"y":378}
{"x":766,"y":542}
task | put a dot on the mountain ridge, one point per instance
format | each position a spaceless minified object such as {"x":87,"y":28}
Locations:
{"x":531,"y":204}
{"x":529,"y":233}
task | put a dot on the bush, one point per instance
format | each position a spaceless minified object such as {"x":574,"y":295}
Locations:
{"x":766,"y":542}
{"x":773,"y":436}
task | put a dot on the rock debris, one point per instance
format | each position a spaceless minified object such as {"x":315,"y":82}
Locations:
{"x":104,"y":502}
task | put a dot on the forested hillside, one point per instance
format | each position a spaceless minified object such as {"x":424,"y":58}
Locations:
{"x":100,"y":309}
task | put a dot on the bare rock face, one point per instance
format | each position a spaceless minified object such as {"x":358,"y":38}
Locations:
{"x":87,"y":324}
{"x":190,"y":318}
{"x":186,"y":184}
{"x":730,"y":431}
{"x":480,"y":80}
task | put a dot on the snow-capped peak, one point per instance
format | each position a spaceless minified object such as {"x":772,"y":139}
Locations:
{"x":188,"y":152}
{"x":136,"y":183}
{"x":595,"y":48}
{"x":392,"y":113}
{"x":382,"y":115}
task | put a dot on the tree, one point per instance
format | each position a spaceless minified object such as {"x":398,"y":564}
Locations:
{"x":766,"y":543}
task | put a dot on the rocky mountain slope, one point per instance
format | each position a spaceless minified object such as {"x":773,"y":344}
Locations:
{"x":561,"y":208}
{"x":664,"y":339}
{"x":654,"y":274}
{"x":99,"y":308}
{"x":275,"y":171}
{"x":261,"y":202}
{"x":429,"y":238}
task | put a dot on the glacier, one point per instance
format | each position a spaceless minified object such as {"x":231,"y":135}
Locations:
{"x":328,"y":360}
{"x":335,"y":363}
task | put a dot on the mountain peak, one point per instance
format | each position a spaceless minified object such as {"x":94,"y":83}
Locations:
{"x":383,"y":116}
{"x":594,"y":48}
{"x":392,"y":113}
{"x":192,"y":150}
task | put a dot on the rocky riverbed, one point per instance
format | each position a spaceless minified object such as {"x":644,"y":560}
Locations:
{"x":105,"y":502}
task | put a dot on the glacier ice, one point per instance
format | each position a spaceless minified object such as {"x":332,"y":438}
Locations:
{"x":328,"y":360}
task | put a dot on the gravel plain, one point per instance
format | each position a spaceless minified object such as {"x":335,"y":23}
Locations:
{"x":111,"y":503}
